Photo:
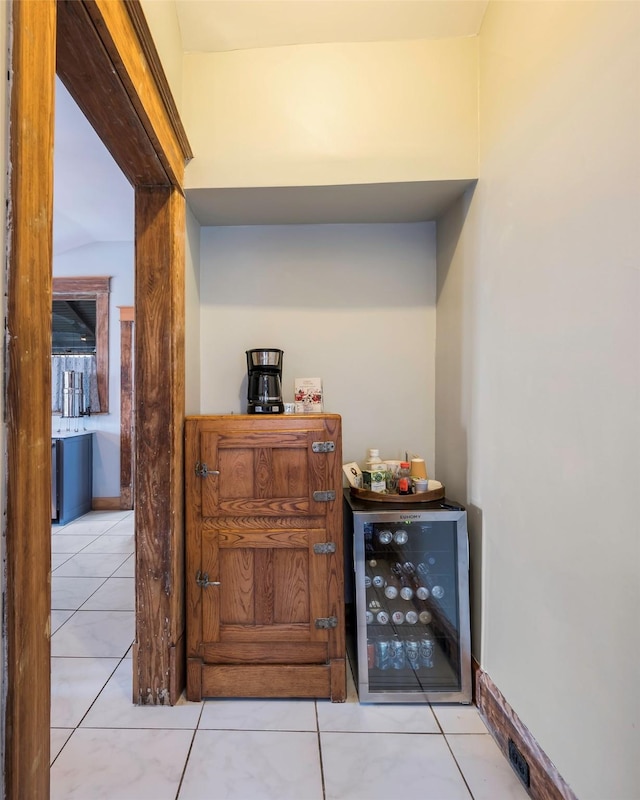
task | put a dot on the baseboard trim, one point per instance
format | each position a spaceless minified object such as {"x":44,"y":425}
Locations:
{"x":545,"y":782}
{"x":105,"y":504}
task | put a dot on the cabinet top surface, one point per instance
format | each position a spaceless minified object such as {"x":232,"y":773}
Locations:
{"x":266,"y":418}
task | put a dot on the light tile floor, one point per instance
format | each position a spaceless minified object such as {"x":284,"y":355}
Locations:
{"x":104,"y":747}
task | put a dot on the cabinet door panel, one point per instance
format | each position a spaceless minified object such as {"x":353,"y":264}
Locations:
{"x":273,"y":585}
{"x":236,"y":586}
{"x":262,"y":473}
{"x":290,"y":580}
{"x":288,"y":476}
{"x":236,"y":473}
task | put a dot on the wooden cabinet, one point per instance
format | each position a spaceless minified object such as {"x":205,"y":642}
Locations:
{"x":265,"y":593}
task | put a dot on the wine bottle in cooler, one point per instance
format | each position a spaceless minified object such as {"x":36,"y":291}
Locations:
{"x":400,"y":536}
{"x":412,"y":582}
{"x":384,"y":537}
{"x":430,"y":580}
{"x":375,"y":573}
{"x":406,"y":588}
{"x":374,"y":606}
{"x":382,"y":617}
{"x":403,"y":583}
{"x":425,"y":617}
{"x":397,"y":609}
{"x":425,"y":614}
{"x":392,"y":589}
{"x":412,"y":617}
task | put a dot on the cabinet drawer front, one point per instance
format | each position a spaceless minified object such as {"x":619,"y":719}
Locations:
{"x":274,"y":653}
{"x":299,"y":680}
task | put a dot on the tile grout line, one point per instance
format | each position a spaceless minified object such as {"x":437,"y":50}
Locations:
{"x":322,"y":780}
{"x":453,"y":756}
{"x":186,"y":761}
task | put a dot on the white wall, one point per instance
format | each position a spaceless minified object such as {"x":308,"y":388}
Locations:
{"x":192,"y":315}
{"x":352,"y":304}
{"x":538,"y":402}
{"x":115,"y":259}
{"x":332,"y":114}
{"x":163,"y":23}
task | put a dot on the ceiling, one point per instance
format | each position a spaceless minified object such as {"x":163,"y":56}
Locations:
{"x":219,"y":25}
{"x":93,"y":202}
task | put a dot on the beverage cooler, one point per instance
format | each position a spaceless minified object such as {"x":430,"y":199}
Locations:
{"x":410,"y":597}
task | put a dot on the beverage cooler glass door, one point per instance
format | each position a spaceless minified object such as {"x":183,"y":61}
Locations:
{"x":412,"y":606}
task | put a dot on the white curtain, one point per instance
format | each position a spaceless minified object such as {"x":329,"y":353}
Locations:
{"x":87,"y":366}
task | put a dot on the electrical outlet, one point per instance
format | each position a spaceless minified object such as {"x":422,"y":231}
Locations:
{"x":519,"y":763}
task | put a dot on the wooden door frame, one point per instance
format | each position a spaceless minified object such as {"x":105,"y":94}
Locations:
{"x":127,"y":426}
{"x":104,"y":54}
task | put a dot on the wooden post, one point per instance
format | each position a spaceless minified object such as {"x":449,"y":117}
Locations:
{"x":159,"y":482}
{"x":28,"y":403}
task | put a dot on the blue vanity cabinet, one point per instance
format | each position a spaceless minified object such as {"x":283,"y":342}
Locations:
{"x":72,"y":476}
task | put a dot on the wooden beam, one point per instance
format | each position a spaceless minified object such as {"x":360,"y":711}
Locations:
{"x":28,"y":402}
{"x":159,"y":405}
{"x":83,"y":62}
{"x":139,"y":21}
{"x":127,"y":53}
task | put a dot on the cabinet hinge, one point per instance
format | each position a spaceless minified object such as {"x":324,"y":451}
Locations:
{"x":327,"y":622}
{"x":324,"y":497}
{"x":202,"y":579}
{"x":323,"y":447}
{"x":203,"y":471}
{"x":324,"y":548}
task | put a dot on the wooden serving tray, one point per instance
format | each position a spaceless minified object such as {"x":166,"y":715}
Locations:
{"x":378,"y":497}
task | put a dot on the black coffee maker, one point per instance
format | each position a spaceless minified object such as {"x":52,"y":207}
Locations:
{"x":264,"y":389}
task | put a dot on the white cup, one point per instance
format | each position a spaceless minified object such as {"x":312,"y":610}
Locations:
{"x":420,"y":485}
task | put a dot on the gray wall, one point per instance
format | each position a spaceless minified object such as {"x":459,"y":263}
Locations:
{"x":351,"y":304}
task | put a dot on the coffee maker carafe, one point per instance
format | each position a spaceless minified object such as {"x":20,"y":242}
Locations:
{"x":264,"y":389}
